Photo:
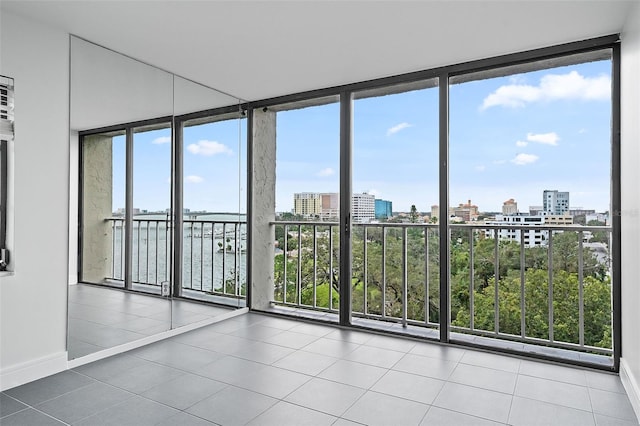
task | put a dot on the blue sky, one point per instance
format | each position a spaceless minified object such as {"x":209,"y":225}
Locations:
{"x":510,"y":137}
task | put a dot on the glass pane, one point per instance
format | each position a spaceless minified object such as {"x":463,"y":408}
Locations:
{"x":395,"y":172}
{"x":530,"y":157}
{"x":151,"y":254}
{"x":306,"y":264}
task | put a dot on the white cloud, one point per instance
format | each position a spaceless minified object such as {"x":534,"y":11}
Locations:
{"x":326,"y":172}
{"x":544,"y":138}
{"x":161,"y":140}
{"x":395,"y":129}
{"x":193,"y":179}
{"x":208,"y":148}
{"x":481,"y":168}
{"x":581,"y":131}
{"x":522,"y":143}
{"x":524,"y":159}
{"x":572,"y":85}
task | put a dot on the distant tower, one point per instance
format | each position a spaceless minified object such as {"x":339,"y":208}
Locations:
{"x":509,"y":207}
{"x":555,"y":202}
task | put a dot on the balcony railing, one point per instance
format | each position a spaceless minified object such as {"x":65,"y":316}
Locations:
{"x":214,"y":254}
{"x":544,"y":285}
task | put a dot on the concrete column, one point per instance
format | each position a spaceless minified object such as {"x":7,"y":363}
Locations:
{"x":263,"y":205}
{"x":97,"y":169}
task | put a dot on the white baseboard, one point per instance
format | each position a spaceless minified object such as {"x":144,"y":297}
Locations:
{"x":631,"y":385}
{"x":29,"y":371}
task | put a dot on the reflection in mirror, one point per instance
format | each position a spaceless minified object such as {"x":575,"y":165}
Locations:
{"x":213,"y":165}
{"x":117,"y":247}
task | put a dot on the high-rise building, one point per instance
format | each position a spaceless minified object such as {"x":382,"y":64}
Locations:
{"x":509,"y":207}
{"x":307,"y":204}
{"x":555,"y":202}
{"x":384,"y":209}
{"x":363,"y":208}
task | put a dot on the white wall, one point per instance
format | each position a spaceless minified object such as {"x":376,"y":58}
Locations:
{"x":33,"y":301}
{"x":630,"y":364}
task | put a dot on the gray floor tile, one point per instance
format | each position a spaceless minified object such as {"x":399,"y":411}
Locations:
{"x":345,"y":422}
{"x":49,"y":387}
{"x":425,"y":366}
{"x":604,"y":381}
{"x":331,"y":347}
{"x":559,"y":393}
{"x":144,"y":377}
{"x":486,"y":378}
{"x":559,"y":373}
{"x":265,"y":353}
{"x":222,"y":407}
{"x":409,"y":386}
{"x":184,"y":391}
{"x":441,"y":417}
{"x":281,"y":323}
{"x":30,"y":417}
{"x":602,"y":420}
{"x":220,"y":343}
{"x":256,"y":332}
{"x":531,"y":412}
{"x":434,"y":350}
{"x":291,"y":339}
{"x":136,"y":411}
{"x":353,"y":373}
{"x":393,"y":343}
{"x":379,"y":357}
{"x":9,"y":405}
{"x":473,"y":401}
{"x":109,"y":367}
{"x":77,"y":348}
{"x":286,"y":414}
{"x":184,"y":419}
{"x":87,"y":401}
{"x":231,"y":369}
{"x":274,"y":382}
{"x":305,"y":362}
{"x":357,"y":337}
{"x":177,"y":355}
{"x":146,"y":326}
{"x":490,"y":360}
{"x":379,"y":409}
{"x":326,"y":396}
{"x":318,"y":330}
{"x":612,"y":404}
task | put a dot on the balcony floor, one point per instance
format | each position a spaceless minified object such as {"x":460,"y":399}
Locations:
{"x":263,"y":370}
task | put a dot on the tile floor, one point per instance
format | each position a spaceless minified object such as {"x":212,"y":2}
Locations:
{"x":263,"y":370}
{"x":101,"y":317}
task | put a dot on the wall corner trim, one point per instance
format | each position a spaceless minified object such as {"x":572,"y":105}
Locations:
{"x":631,"y":385}
{"x":29,"y":371}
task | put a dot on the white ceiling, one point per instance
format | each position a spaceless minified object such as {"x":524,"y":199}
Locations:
{"x":260,"y":49}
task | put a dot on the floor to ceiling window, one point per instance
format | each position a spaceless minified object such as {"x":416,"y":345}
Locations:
{"x":395,"y":268}
{"x":307,"y":202}
{"x":531,"y":156}
{"x":482,"y":203}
